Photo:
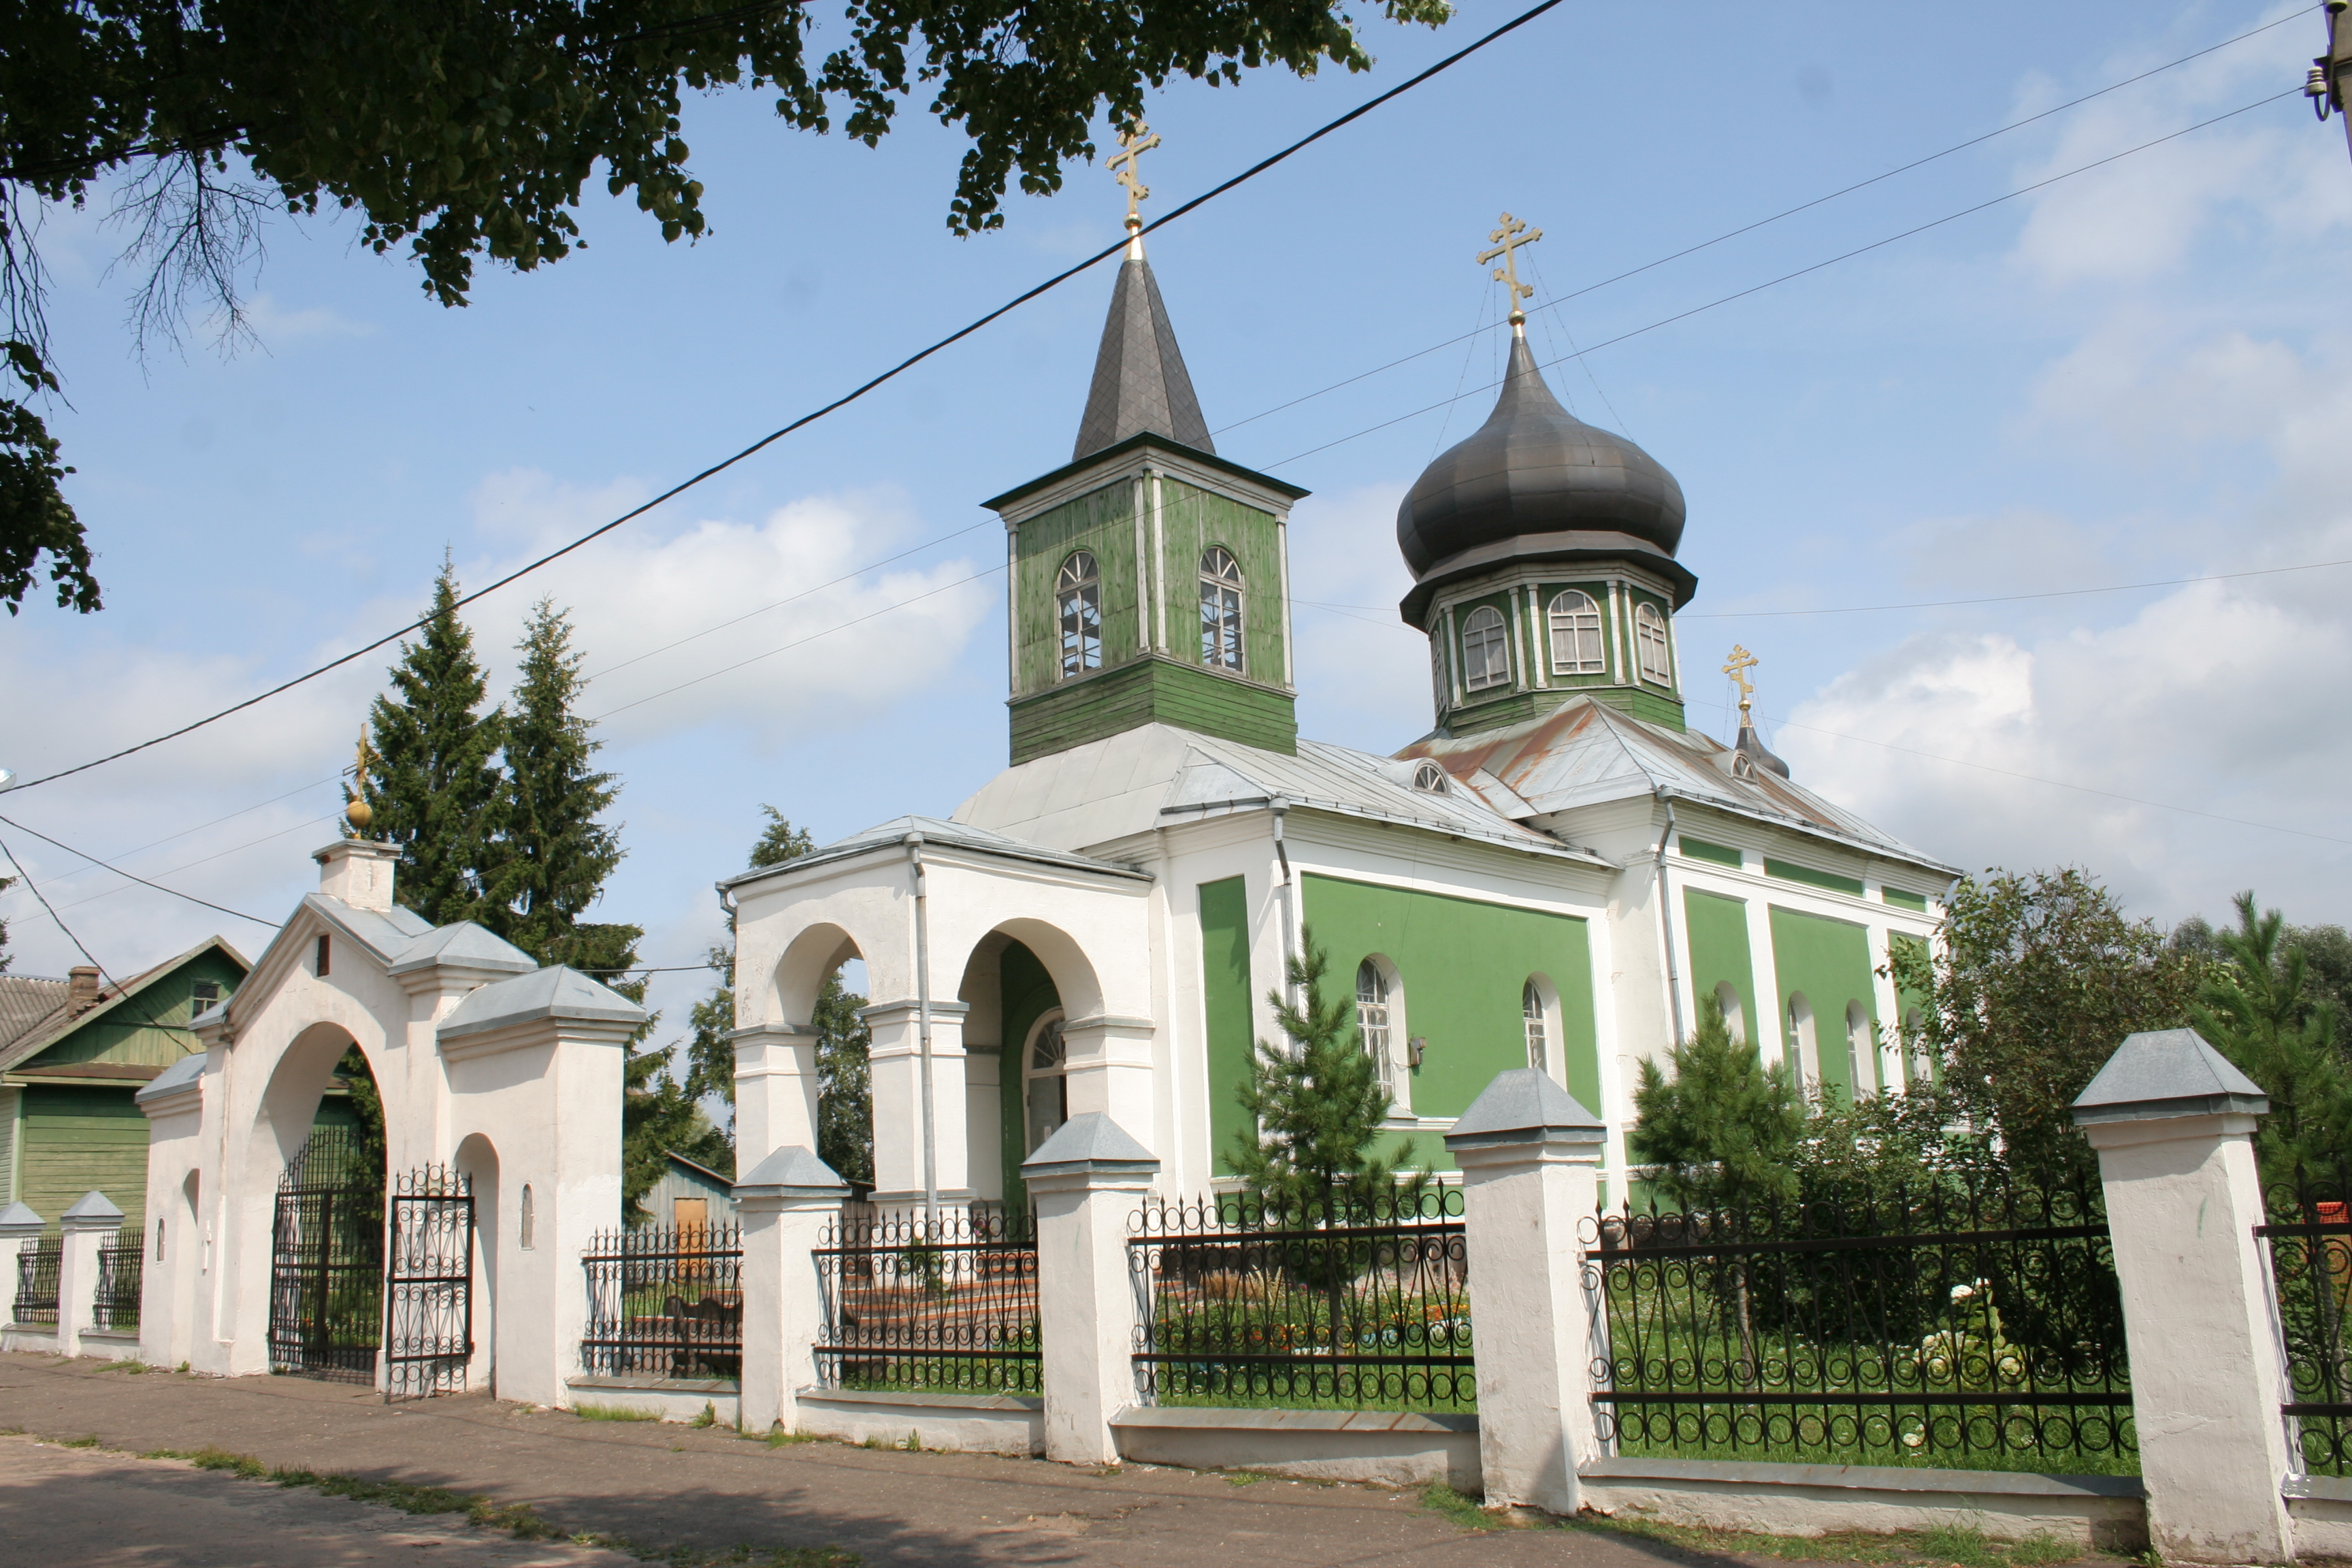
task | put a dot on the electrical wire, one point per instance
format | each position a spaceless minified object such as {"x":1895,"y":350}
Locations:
{"x":34,"y":888}
{"x":118,"y":871}
{"x":1522,"y":19}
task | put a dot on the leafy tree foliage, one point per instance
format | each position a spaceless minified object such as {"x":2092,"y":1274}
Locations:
{"x":6,"y":883}
{"x":433,"y":781}
{"x":659,"y":1116}
{"x":2260,"y":1008}
{"x":35,"y":519}
{"x":844,"y":1109}
{"x":471,"y":130}
{"x":1721,"y":1130}
{"x":2036,"y":978}
{"x":1316,"y":1107}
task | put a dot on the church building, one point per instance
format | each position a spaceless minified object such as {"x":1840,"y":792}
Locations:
{"x":1555,"y":873}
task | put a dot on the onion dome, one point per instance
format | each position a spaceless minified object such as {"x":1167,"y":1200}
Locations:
{"x":1535,"y":482}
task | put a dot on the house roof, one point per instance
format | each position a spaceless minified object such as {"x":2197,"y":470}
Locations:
{"x":60,"y":1022}
{"x":27,"y":1002}
{"x":699,"y":1168}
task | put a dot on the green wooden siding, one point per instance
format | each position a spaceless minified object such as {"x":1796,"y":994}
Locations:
{"x":1463,"y":963}
{"x":1503,"y":706}
{"x":1028,"y":995}
{"x":147,"y":1029}
{"x":1102,"y":522}
{"x":1828,"y":963}
{"x":1225,"y":1009}
{"x":11,"y":1102}
{"x":1718,"y":950}
{"x":1700,"y":849}
{"x":82,"y":1140}
{"x":1192,"y":519}
{"x":1153,"y":691}
{"x":1789,"y":871}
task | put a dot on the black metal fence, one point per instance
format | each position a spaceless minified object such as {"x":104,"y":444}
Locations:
{"x":665,"y":1302}
{"x":120,"y":1270}
{"x":2310,"y":1237}
{"x":429,"y":1284}
{"x":1956,"y":1329}
{"x":1365,"y":1308}
{"x":37,"y":1281}
{"x":326,"y":1265}
{"x":910,"y":1303}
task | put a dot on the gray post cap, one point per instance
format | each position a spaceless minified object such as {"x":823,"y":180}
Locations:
{"x":791,"y":1172}
{"x":91,"y":1209}
{"x":2161,"y":1073}
{"x":1524,"y":1106}
{"x":18,"y":1218}
{"x":1089,"y":1142}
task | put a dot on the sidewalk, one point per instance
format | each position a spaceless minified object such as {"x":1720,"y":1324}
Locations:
{"x":663,"y":1487}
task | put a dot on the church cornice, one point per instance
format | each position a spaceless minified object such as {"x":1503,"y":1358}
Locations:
{"x":1133,"y":457}
{"x":1534,"y":553}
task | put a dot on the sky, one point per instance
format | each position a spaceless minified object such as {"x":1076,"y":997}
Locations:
{"x":2131,"y":376}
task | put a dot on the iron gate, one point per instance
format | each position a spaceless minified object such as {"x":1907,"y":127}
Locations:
{"x":428,"y":1290}
{"x":326,"y":1266}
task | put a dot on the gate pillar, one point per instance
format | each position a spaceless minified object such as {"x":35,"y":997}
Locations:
{"x":1086,"y":1180}
{"x":783,"y":1205}
{"x":87,"y":1226}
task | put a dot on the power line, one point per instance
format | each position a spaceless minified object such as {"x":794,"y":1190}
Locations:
{"x":118,"y":871}
{"x":847,"y":399}
{"x":1804,"y":271}
{"x":34,"y":888}
{"x":1775,"y":217}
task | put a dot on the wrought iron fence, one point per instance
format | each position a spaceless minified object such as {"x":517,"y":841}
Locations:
{"x":2310,"y":1236}
{"x":326,"y":1267}
{"x":913,"y":1303}
{"x":1939,"y":1327}
{"x":429,"y":1284}
{"x":1366,"y":1307}
{"x":665,"y":1302}
{"x":120,"y":1269}
{"x":37,"y":1281}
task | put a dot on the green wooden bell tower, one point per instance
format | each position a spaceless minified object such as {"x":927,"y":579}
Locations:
{"x":1149,"y":578}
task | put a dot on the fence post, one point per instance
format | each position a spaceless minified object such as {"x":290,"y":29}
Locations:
{"x":2173,"y":1122}
{"x":89,"y":1224}
{"x":20,"y":1227}
{"x":1086,"y":1180}
{"x":783,"y":1204}
{"x":1530,"y":1158}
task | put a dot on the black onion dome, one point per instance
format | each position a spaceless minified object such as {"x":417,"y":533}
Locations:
{"x":1536,"y":480}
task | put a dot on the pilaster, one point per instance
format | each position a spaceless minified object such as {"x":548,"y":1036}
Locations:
{"x":897,"y":1079}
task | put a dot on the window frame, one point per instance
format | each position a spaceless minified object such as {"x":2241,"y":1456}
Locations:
{"x":1054,"y":1020}
{"x":1222,"y":612}
{"x":1650,"y":633}
{"x":1394,"y":1031}
{"x":1493,"y":631}
{"x":1078,"y":598}
{"x":1543,"y":1028}
{"x":1560,"y":617}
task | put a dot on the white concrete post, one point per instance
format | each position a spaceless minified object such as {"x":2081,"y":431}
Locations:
{"x":784,"y":1204}
{"x":20,"y":1227}
{"x":2173,"y":1122}
{"x":89,"y":1226}
{"x":775,"y":1089}
{"x":896,"y":1065}
{"x":1086,"y":1180}
{"x":1530,"y":1158}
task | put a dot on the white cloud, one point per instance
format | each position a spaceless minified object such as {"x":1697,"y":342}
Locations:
{"x":1362,"y":674}
{"x":278,"y":325}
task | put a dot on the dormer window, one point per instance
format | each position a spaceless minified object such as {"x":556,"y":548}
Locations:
{"x":1430,"y":779}
{"x":202,"y":996}
{"x":1220,"y":611}
{"x":1576,"y":635}
{"x":1486,"y":649}
{"x":1650,"y":642}
{"x":1077,"y":602}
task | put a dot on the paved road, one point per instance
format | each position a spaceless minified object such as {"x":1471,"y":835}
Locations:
{"x":660,"y":1486}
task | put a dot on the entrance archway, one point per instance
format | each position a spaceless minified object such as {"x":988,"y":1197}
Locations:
{"x":326,"y":1237}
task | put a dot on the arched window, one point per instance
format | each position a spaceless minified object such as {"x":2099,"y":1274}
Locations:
{"x":1486,"y":649}
{"x":1373,"y":1019}
{"x":1531,"y":1012}
{"x":1735,"y":1021}
{"x":1805,"y":1061}
{"x":1429,"y":778}
{"x":1221,"y":610}
{"x":1078,"y":601}
{"x":1861,"y":1051}
{"x":1576,"y":636}
{"x":1046,"y":1088}
{"x":1650,"y":641}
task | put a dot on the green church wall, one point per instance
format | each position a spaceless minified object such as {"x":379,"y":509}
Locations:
{"x":1191,"y":521}
{"x":1718,"y":949}
{"x":1828,"y":963}
{"x":1612,"y":643}
{"x":1788,"y":871}
{"x":1153,"y":691}
{"x":1102,"y":522}
{"x":1916,"y":902}
{"x":1909,"y":998}
{"x":1463,"y":964}
{"x":1028,"y":995}
{"x":1700,"y":849}
{"x":1225,"y":1006}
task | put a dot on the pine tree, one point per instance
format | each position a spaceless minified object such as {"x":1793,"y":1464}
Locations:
{"x":1723,"y":1129}
{"x":552,"y":855}
{"x":1318,"y":1109}
{"x":845,"y":1102}
{"x":2259,"y":1009}
{"x":433,"y":781}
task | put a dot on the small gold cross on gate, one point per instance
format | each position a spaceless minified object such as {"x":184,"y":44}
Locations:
{"x":1508,"y":240}
{"x":1737,"y":667}
{"x":1132,"y":144}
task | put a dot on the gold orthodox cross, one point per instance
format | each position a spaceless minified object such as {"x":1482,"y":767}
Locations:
{"x":1132,"y":144}
{"x":1508,"y":240}
{"x":1737,"y":667}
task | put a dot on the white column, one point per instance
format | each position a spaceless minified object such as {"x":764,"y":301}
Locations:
{"x":2173,"y":1122}
{"x":1109,"y":1068}
{"x":89,"y":1226}
{"x":1086,"y":1180}
{"x":898,"y":1089}
{"x":1530,"y":1158}
{"x":785,"y":1206}
{"x":775,"y":1089}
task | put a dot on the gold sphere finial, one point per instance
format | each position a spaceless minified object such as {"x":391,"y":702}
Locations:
{"x":356,"y":810}
{"x":358,"y":814}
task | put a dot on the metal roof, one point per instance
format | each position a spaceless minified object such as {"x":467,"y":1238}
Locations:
{"x":27,"y":1002}
{"x":1141,"y":382}
{"x":937,"y":833}
{"x":59,"y":1022}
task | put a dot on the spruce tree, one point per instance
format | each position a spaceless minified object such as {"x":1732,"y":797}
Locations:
{"x":2259,"y":1008}
{"x":433,"y":781}
{"x":1316,"y":1109}
{"x":1722,"y":1130}
{"x":551,"y":858}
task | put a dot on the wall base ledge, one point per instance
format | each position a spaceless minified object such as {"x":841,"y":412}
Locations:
{"x":1012,"y":1424}
{"x":1386,"y":1447}
{"x":1866,"y":1478}
{"x":1217,"y":1418}
{"x":2318,"y":1489}
{"x":651,"y":1385}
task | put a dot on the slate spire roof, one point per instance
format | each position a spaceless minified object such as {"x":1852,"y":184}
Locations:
{"x":1140,"y":383}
